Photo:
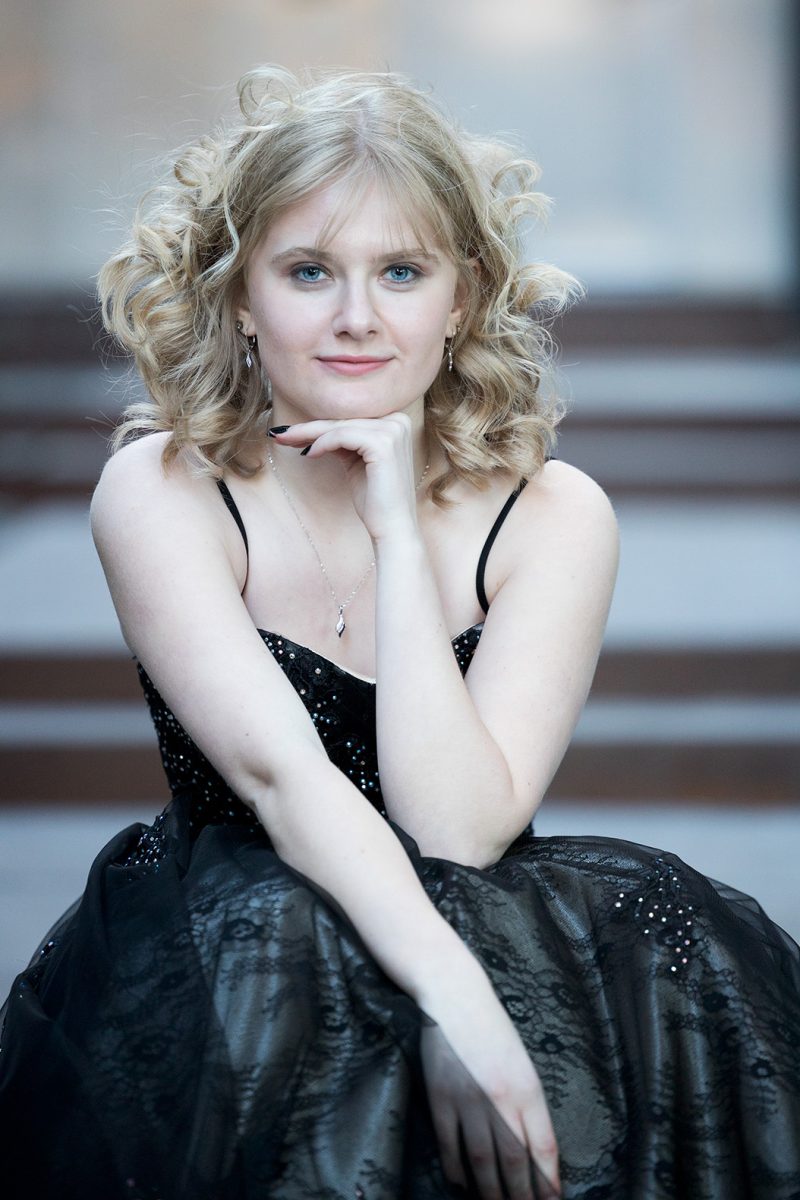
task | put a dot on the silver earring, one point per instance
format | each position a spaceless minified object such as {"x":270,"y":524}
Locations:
{"x":251,"y":345}
{"x":449,"y":354}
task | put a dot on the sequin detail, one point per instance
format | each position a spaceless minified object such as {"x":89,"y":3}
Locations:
{"x":342,"y":707}
{"x":663,"y":916}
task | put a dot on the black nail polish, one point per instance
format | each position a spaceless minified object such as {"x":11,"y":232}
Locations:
{"x":277,"y":429}
{"x":306,"y":450}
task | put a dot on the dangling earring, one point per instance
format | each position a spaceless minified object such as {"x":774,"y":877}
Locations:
{"x":252,"y":342}
{"x":450,"y":341}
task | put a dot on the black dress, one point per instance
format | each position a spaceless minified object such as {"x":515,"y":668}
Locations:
{"x":205,"y":1024}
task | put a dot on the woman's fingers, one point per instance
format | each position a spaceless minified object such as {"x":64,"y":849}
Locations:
{"x":351,"y":432}
{"x":515,"y":1160}
{"x":371,"y":445}
{"x":445,"y":1124}
{"x":506,"y":1142}
{"x":479,"y":1148}
{"x":543,"y":1150}
{"x":438,"y":1072}
{"x":479,"y":1145}
{"x":301,"y":433}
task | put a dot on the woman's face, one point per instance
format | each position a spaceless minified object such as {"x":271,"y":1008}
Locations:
{"x":354,"y":328}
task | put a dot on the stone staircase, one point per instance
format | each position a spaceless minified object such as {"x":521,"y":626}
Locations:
{"x":696,"y":693}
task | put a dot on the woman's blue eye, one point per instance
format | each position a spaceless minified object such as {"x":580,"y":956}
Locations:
{"x":308,"y":273}
{"x":402,"y":273}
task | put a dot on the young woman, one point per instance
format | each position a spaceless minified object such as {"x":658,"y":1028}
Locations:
{"x":366,"y":605}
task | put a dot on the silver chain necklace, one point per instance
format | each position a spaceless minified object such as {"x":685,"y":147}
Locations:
{"x":340,"y":606}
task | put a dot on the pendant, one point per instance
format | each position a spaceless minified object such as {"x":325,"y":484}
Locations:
{"x":340,"y":625}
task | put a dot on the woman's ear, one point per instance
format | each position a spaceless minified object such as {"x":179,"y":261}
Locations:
{"x":244,"y":318}
{"x":242,"y":313}
{"x":461,"y":294}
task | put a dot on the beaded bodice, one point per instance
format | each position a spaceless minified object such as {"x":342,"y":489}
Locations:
{"x":341,"y":705}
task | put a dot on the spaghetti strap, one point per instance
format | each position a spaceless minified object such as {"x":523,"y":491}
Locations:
{"x":234,"y":511}
{"x":487,"y":545}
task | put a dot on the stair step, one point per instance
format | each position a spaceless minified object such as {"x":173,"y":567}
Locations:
{"x":729,"y":774}
{"x":640,"y":423}
{"x":736,"y":751}
{"x":771,"y":720}
{"x":108,"y":677}
{"x":738,"y":459}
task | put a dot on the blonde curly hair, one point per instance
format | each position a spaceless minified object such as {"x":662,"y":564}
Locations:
{"x":169,"y":295}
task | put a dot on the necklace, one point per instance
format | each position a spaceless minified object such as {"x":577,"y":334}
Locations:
{"x":340,"y":605}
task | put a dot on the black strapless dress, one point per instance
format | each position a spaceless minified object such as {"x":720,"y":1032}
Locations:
{"x":204,"y":1025}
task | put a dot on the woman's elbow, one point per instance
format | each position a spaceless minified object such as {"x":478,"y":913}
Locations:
{"x":263,"y":783}
{"x":483,"y":842}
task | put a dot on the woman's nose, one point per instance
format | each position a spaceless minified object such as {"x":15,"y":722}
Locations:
{"x":355,"y":313}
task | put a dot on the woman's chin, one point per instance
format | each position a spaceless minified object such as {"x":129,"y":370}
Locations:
{"x":358,"y":405}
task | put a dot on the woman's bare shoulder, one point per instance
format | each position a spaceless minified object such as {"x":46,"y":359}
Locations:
{"x":562,"y":494}
{"x":145,"y":516}
{"x":563,"y":517}
{"x":136,"y":483}
{"x":566,"y":481}
{"x":139,"y":462}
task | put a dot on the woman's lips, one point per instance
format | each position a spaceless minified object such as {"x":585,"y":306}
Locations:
{"x":355,"y":365}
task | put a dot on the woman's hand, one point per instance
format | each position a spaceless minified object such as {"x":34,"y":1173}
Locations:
{"x":377,"y":456}
{"x":484,"y":1089}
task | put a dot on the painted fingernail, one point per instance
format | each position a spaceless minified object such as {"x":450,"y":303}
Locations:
{"x":306,"y":450}
{"x":277,"y":429}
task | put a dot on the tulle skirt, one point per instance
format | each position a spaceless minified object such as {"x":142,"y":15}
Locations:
{"x":212,"y":1027}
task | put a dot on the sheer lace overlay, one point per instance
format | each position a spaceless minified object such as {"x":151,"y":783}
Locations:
{"x":206,"y":1024}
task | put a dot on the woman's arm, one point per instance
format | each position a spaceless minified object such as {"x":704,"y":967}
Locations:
{"x":172,"y":564}
{"x":465,"y":764}
{"x":171,"y":561}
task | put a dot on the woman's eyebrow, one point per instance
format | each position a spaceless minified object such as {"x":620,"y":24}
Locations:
{"x":299,"y":252}
{"x":412,"y":252}
{"x":318,"y":254}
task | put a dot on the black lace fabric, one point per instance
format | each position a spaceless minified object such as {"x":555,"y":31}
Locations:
{"x":206,"y":1024}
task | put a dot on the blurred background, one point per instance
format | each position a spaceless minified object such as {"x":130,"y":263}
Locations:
{"x":667,"y":133}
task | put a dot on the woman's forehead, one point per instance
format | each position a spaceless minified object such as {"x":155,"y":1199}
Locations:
{"x":357,"y":213}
